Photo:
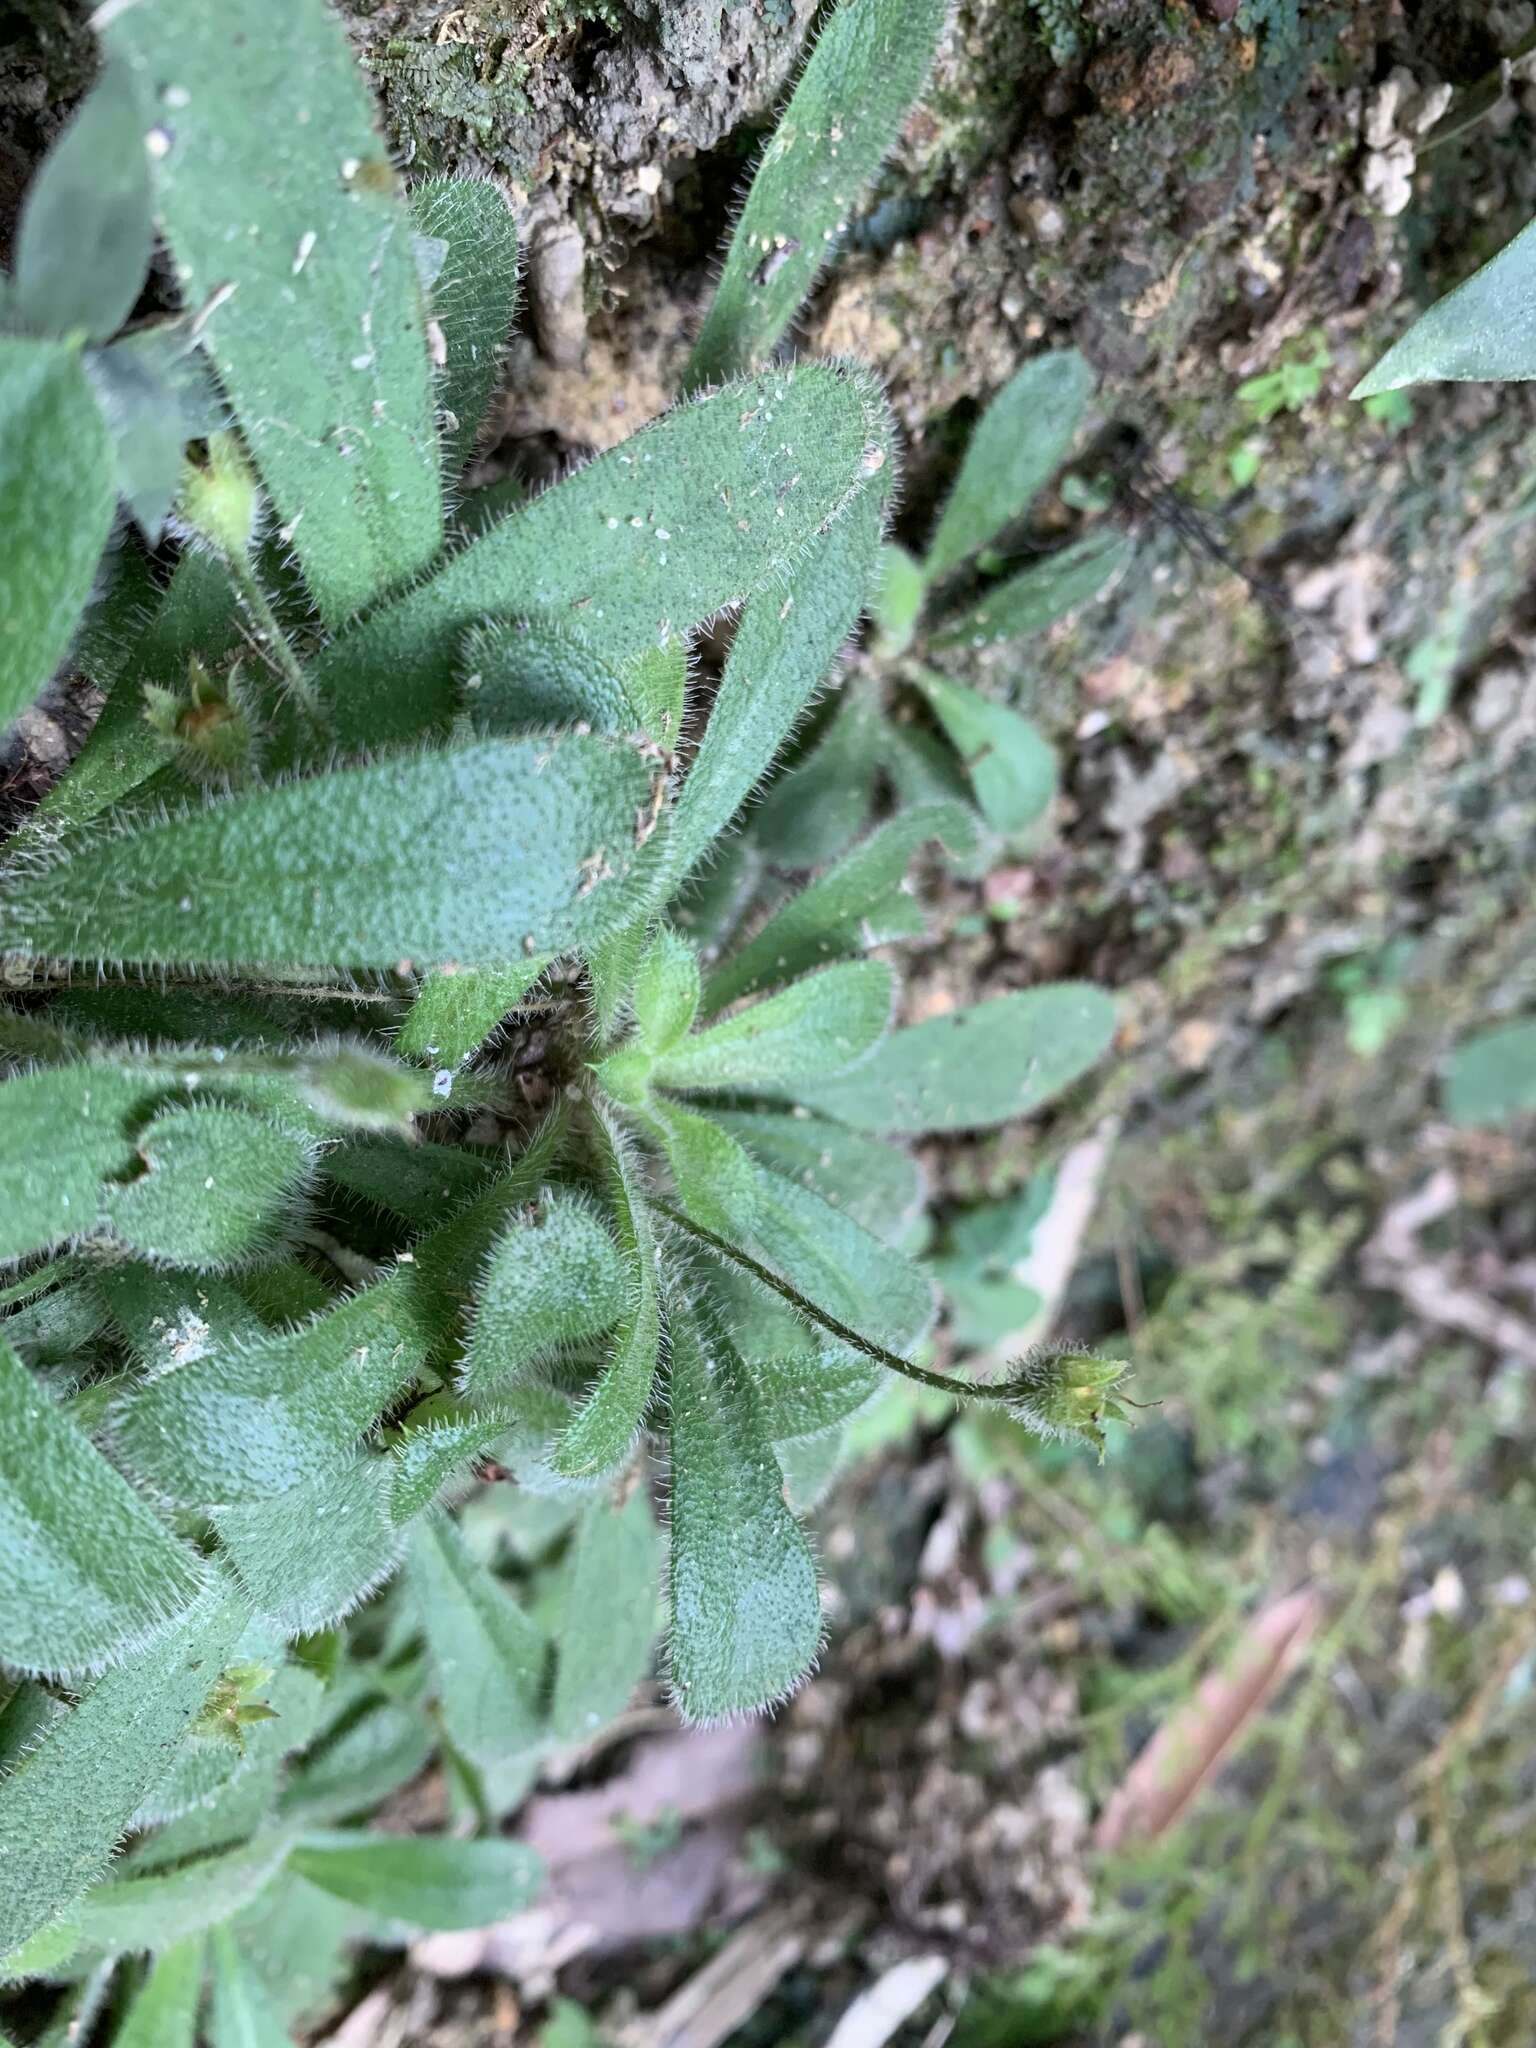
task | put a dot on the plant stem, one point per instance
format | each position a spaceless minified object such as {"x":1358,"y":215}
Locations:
{"x":274,"y":642}
{"x":962,"y":1390}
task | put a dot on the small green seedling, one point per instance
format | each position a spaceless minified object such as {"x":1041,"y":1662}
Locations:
{"x":452,"y":1199}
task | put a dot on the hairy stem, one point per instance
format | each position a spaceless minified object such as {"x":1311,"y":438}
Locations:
{"x":962,"y":1390}
{"x":274,"y":642}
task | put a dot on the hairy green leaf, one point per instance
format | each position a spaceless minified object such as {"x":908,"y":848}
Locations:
{"x":244,"y":1420}
{"x":164,"y":2009}
{"x":310,"y":1556}
{"x":536,"y":674}
{"x":91,"y":1575}
{"x":1492,"y":1075}
{"x":242,"y":2015}
{"x":489,"y":1658}
{"x":363,"y":867}
{"x":844,"y":911}
{"x":1036,"y":597}
{"x":441,"y":1437}
{"x":607,"y":1616}
{"x":417,"y":1182}
{"x":746,"y":1613}
{"x":322,"y":344}
{"x":1012,"y":768}
{"x":150,"y":396}
{"x":473,"y":299}
{"x":196,"y":615}
{"x":67,"y":1803}
{"x":64,"y":1131}
{"x":666,"y":992}
{"x":717,"y":499}
{"x":871,"y":61}
{"x":897,"y":602}
{"x":1003,"y":1058}
{"x":1020,"y":441}
{"x":549,"y":1282}
{"x":83,"y":241}
{"x":129,"y":1914}
{"x":714,"y":1178}
{"x":1483,"y":332}
{"x":216,"y":1188}
{"x":374,"y":1755}
{"x":423,"y":1881}
{"x":823,"y":1024}
{"x":603,"y":1432}
{"x":56,"y":499}
{"x":454,"y":1014}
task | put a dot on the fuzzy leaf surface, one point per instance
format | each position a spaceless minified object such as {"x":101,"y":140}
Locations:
{"x":423,"y":1881}
{"x":311,"y":1555}
{"x":1003,"y":1058}
{"x":322,"y":345}
{"x":666,"y":992}
{"x":608,"y":1616}
{"x":871,"y":61}
{"x":602,"y":1433}
{"x":746,"y":1612}
{"x":68,"y":1802}
{"x":1011,"y":765}
{"x":536,"y":675}
{"x":247,"y":1419}
{"x":473,"y":300}
{"x":717,"y":499}
{"x":548,"y":1283}
{"x":217,"y":1187}
{"x":879,"y":1185}
{"x":56,"y":499}
{"x":839,"y":1266}
{"x":454,"y":1014}
{"x":91,"y":1573}
{"x":1020,"y":441}
{"x":65,"y":1130}
{"x":714,"y":1178}
{"x":811,"y":814}
{"x":242,"y":2015}
{"x":821,"y":1025}
{"x":488,"y":853}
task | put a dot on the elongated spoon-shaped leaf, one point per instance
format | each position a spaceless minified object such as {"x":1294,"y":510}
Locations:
{"x":783,"y":651}
{"x":242,"y":2015}
{"x":1483,"y":332}
{"x":309,"y":1557}
{"x":1040,"y":595}
{"x":423,"y":1881}
{"x":1020,"y":441}
{"x":488,"y":853}
{"x":322,"y":344}
{"x":83,"y":242}
{"x":870,"y":63}
{"x":603,"y":1433}
{"x":608,"y":1616}
{"x":91,"y":1575}
{"x":821,"y":1025}
{"x":1003,"y":1058}
{"x":849,"y":908}
{"x":717,"y":499}
{"x":65,"y":1130}
{"x":68,"y":1803}
{"x":164,"y":2009}
{"x":488,"y":1656}
{"x":56,"y":496}
{"x":746,"y":1614}
{"x":549,"y":1282}
{"x":129,"y":1914}
{"x":839,"y":1266}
